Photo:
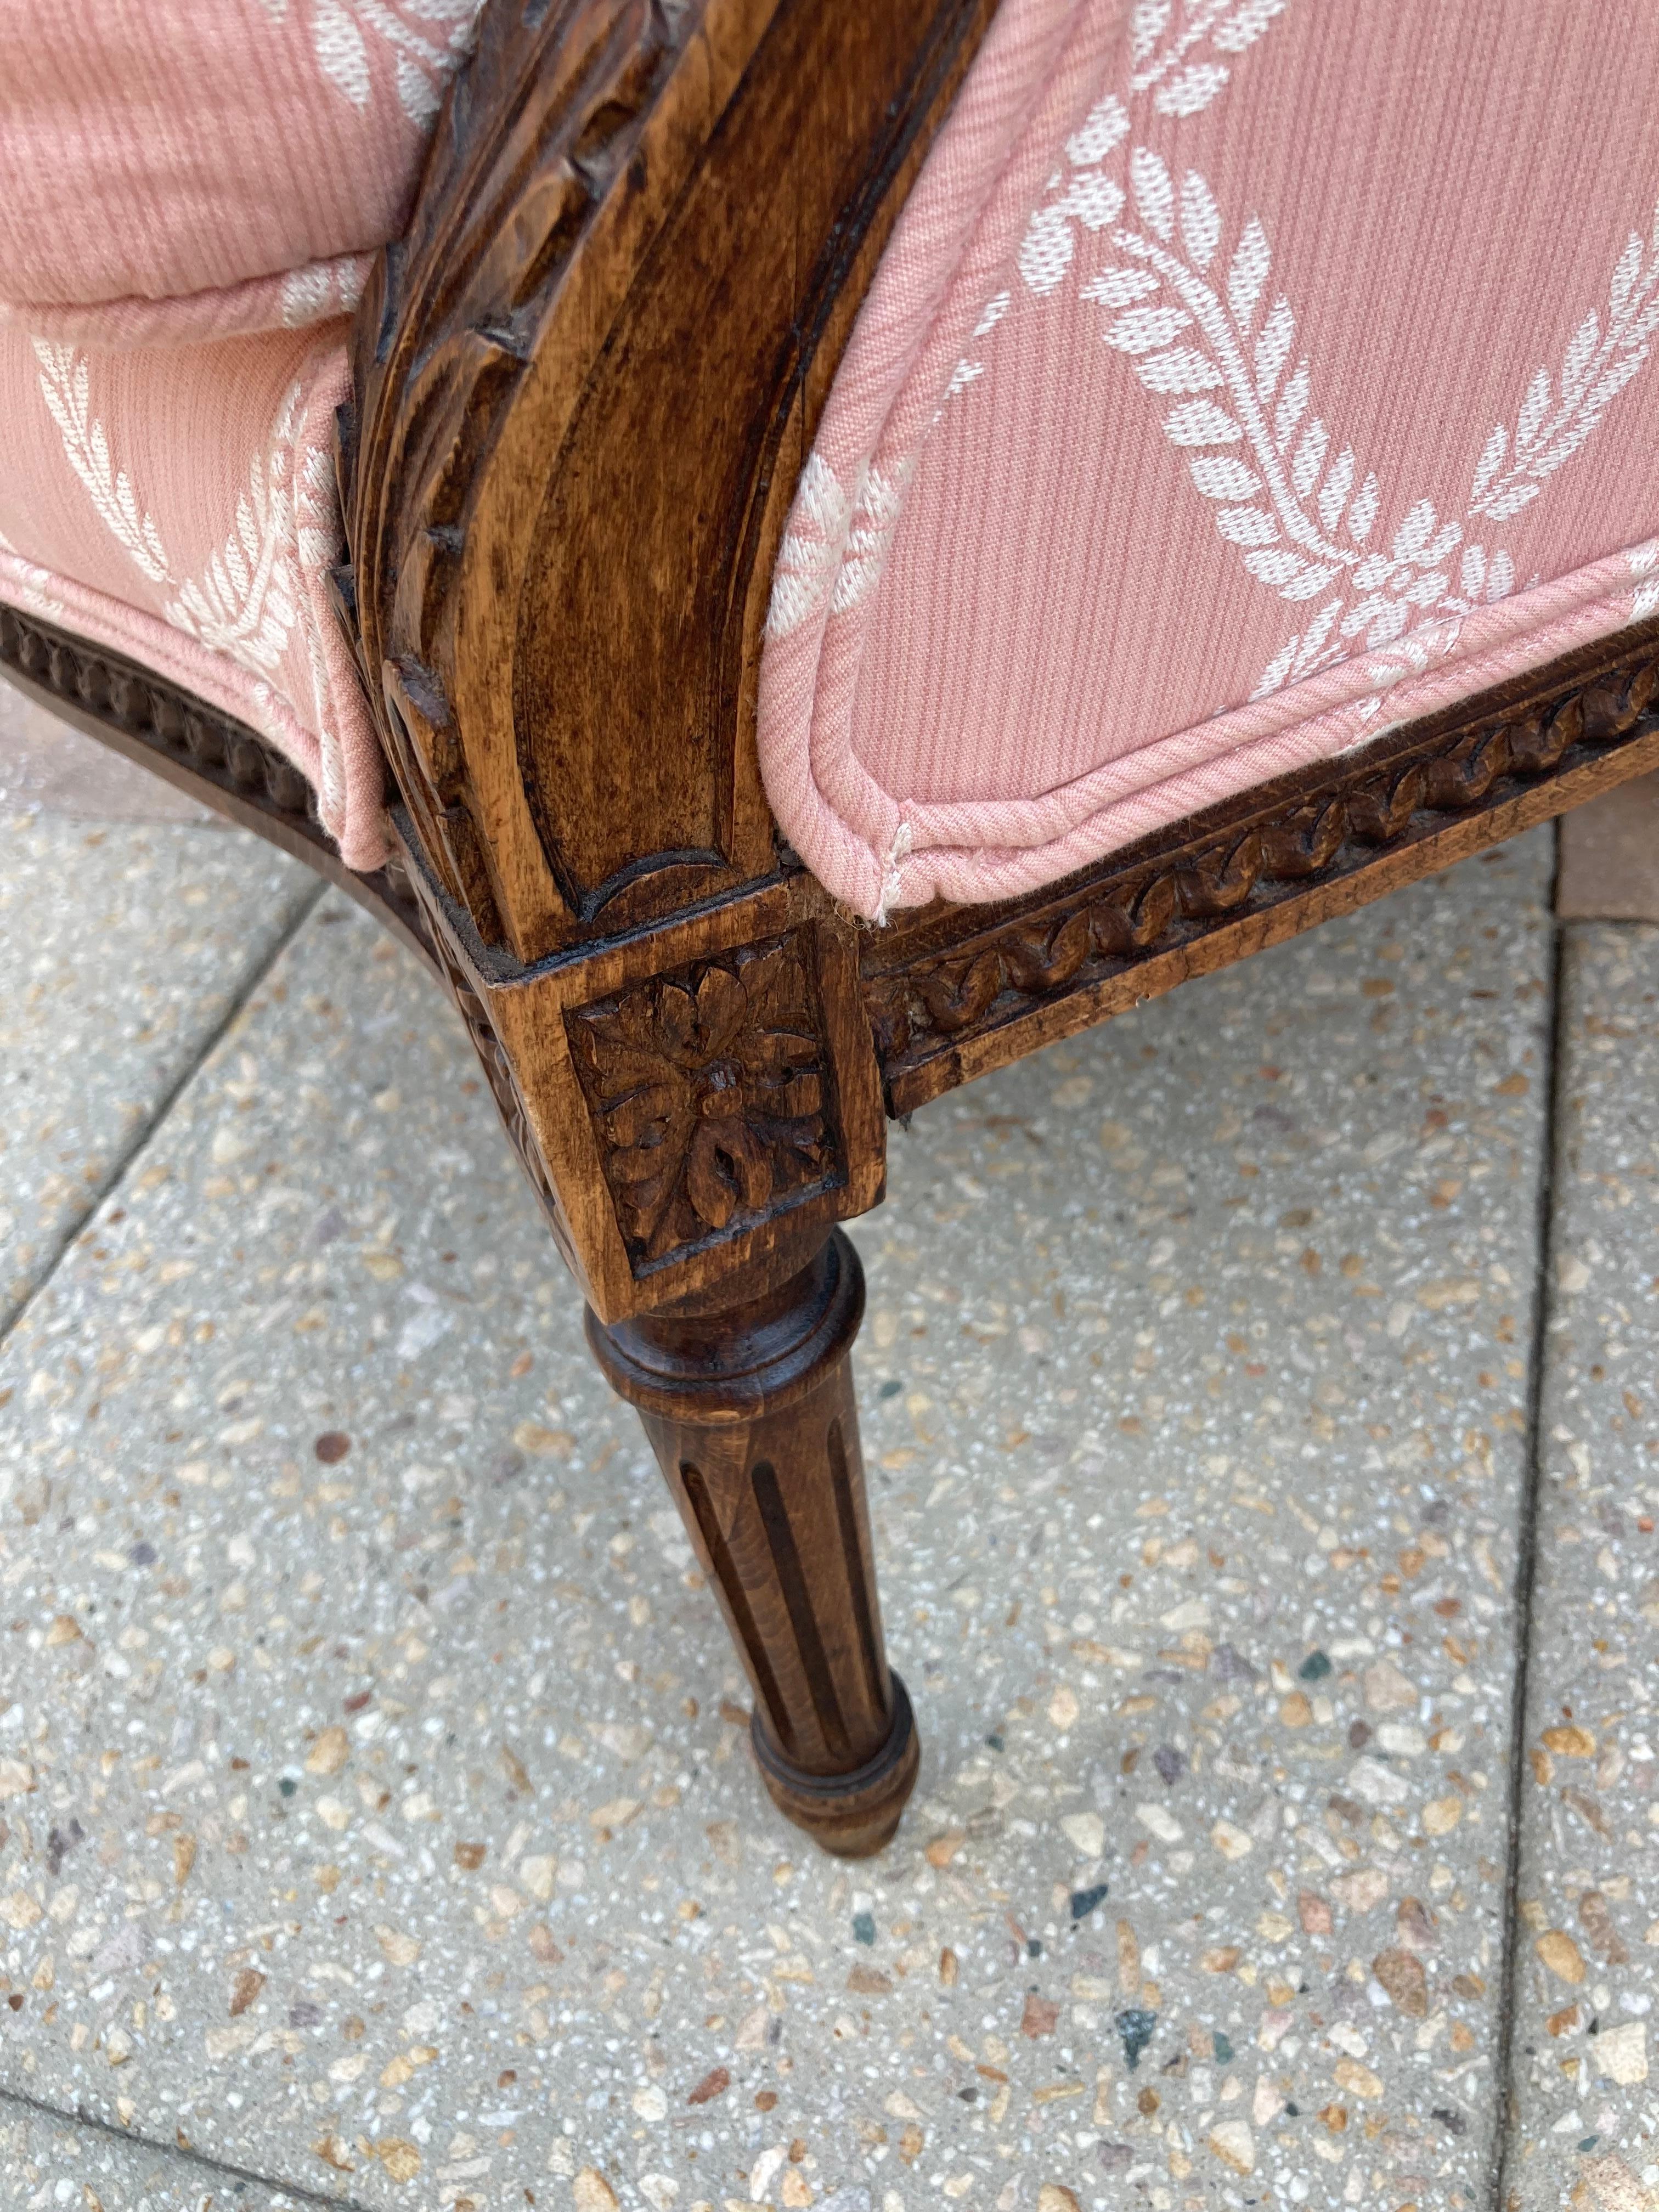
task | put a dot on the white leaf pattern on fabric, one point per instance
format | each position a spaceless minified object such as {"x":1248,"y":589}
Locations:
{"x":1177,"y":86}
{"x":811,"y":552}
{"x":1338,"y":482}
{"x":1201,"y":220}
{"x":1246,"y":25}
{"x":244,"y":602}
{"x":324,"y":289}
{"x":870,"y":537}
{"x":1301,"y":527}
{"x":341,"y":50}
{"x":838,"y":543}
{"x":1380,"y":600}
{"x":1116,"y":287}
{"x":966,"y":370}
{"x":1154,"y":193}
{"x":1181,"y":369}
{"x":1106,"y":128}
{"x":64,"y":385}
{"x":1384,"y":599}
{"x":1248,"y":272}
{"x":1555,"y":420}
{"x":1308,"y":501}
{"x":1047,"y":250}
{"x":1202,"y":422}
{"x":1144,"y":329}
{"x":1147,"y":26}
{"x":1192,"y":90}
{"x":427,"y":39}
{"x":1645,"y":566}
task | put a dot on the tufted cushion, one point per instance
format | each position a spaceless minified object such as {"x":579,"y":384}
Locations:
{"x":178,"y":505}
{"x":1243,"y":377}
{"x":182,"y":169}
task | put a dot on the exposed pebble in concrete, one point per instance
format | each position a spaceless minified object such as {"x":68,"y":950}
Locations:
{"x":379,"y":1805}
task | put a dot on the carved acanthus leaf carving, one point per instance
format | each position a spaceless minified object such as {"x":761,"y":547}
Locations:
{"x":709,"y":1095}
{"x":537,"y":125}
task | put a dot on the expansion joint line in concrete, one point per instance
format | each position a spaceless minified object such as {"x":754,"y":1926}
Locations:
{"x":138,"y":1142}
{"x":295,"y":2191}
{"x":1550,"y":1182}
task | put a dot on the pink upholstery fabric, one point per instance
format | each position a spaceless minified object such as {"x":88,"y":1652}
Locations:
{"x":179,"y":505}
{"x":180,"y":170}
{"x":193,"y":192}
{"x":1244,"y":377}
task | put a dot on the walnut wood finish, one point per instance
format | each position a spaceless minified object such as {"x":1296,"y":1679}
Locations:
{"x":750,"y":1410}
{"x":585,"y":381}
{"x":954,"y":992}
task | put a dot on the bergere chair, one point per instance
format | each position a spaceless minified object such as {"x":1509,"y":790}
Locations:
{"x":839,"y":542}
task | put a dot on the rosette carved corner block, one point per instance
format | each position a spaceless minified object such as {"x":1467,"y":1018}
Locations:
{"x":696,"y":1105}
{"x":750,"y":1412}
{"x":712,"y":1098}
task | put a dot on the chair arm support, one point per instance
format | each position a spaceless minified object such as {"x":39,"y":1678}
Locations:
{"x":585,"y":383}
{"x":585,"y":380}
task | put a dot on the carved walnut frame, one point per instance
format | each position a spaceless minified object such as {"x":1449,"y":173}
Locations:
{"x":585,"y":380}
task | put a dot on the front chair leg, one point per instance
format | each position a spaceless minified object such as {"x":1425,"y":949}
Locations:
{"x":750,"y":1409}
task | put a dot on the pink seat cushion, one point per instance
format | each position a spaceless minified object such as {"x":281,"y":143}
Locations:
{"x":180,"y":169}
{"x":1243,"y":377}
{"x":178,"y":504}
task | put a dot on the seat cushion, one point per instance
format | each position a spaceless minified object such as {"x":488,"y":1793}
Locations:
{"x":1242,"y":378}
{"x":178,"y":505}
{"x":185,"y":169}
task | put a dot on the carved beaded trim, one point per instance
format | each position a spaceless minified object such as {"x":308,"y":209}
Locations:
{"x":1137,"y":912}
{"x":709,"y":1091}
{"x":224,"y":751}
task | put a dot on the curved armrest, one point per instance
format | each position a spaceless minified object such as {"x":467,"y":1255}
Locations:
{"x":585,"y":382}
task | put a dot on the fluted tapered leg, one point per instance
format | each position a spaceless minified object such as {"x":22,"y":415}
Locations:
{"x":751,"y":1412}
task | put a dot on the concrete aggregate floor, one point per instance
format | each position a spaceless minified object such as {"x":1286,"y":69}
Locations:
{"x":1259,"y":1408}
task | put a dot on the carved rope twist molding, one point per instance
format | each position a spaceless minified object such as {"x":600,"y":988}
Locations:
{"x":709,"y":1091}
{"x":1309,"y":840}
